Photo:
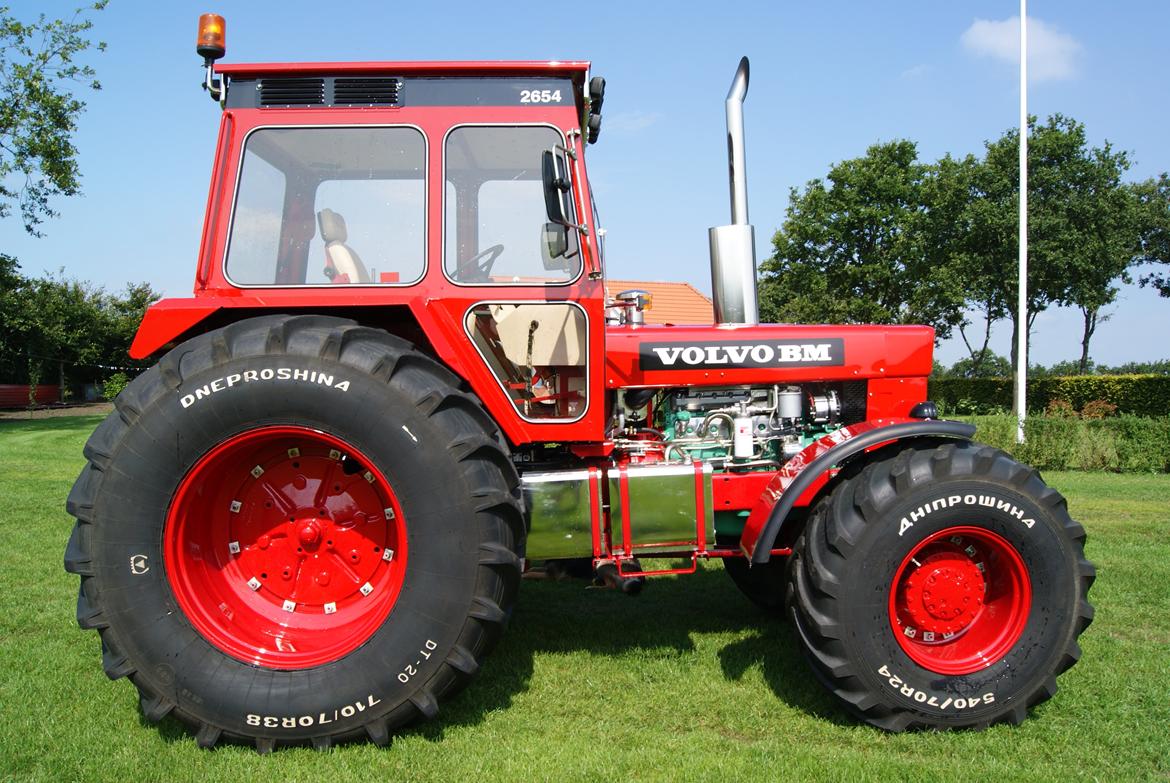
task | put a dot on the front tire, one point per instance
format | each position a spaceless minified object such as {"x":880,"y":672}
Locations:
{"x":942,"y":588}
{"x":295,"y":529}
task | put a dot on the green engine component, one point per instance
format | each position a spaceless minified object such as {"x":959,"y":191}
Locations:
{"x":686,"y":436}
{"x":703,"y":435}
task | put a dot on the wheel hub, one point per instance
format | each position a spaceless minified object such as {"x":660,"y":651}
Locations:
{"x":285,"y":548}
{"x":944,"y":594}
{"x":960,"y":600}
{"x":310,"y":534}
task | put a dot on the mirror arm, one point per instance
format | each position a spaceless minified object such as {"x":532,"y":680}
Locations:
{"x":584,"y":230}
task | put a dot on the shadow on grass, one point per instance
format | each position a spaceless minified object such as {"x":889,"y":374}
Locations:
{"x":565,"y":617}
{"x":171,"y":730}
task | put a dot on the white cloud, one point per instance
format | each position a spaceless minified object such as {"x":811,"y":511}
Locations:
{"x":1052,"y":54}
{"x":916,"y":71}
{"x":628,"y":121}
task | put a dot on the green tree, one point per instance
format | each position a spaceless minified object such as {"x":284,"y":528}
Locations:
{"x":965,"y":230}
{"x":1153,"y":197}
{"x":886,"y":238}
{"x":1093,"y":218}
{"x":993,"y":245}
{"x":61,"y":329}
{"x":119,"y":317}
{"x":857,"y":248}
{"x":986,"y":364}
{"x":1060,"y":369}
{"x":1082,"y":227}
{"x":1156,"y":367}
{"x":39,"y":110}
{"x":12,"y":361}
{"x":58,"y":321}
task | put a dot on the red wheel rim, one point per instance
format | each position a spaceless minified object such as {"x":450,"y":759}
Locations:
{"x":960,"y":600}
{"x":285,"y":547}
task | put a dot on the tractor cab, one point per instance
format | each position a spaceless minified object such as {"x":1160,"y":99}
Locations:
{"x":446,"y":202}
{"x":341,"y":197}
{"x":396,"y":174}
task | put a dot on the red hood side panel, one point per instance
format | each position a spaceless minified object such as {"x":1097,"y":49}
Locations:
{"x":768,"y":353}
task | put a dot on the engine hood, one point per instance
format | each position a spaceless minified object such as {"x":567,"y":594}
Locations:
{"x":765,"y":353}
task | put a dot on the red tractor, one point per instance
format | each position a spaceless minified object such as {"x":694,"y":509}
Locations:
{"x":400,"y":383}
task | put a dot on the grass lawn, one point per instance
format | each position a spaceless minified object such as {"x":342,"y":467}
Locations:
{"x":688,"y":681}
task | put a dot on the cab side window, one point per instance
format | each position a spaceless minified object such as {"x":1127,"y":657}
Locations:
{"x":330,"y":206}
{"x":495,"y":213}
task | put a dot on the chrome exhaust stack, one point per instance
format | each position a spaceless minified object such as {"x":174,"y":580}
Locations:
{"x":733,"y":248}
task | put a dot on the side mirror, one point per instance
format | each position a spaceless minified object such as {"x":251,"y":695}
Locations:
{"x":554,"y":243}
{"x":555,"y":175}
{"x":596,"y":99}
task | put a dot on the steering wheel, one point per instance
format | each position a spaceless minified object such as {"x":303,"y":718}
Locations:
{"x":477,"y":268}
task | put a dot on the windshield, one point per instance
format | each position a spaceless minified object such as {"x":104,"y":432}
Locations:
{"x":330,"y":206}
{"x":495,"y":209}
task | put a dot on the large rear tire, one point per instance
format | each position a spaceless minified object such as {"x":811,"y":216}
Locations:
{"x":295,"y":529}
{"x":944,"y":587}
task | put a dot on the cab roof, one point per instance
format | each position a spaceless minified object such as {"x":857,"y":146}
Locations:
{"x":575,"y":69}
{"x":384,"y":84}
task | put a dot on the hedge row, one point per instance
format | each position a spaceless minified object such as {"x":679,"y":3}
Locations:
{"x":1139,"y":395}
{"x":1121,"y":444}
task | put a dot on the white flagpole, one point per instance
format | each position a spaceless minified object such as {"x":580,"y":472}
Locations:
{"x":1022,"y":285}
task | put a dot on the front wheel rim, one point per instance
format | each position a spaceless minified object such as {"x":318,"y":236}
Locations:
{"x":285,"y":547}
{"x":960,"y":600}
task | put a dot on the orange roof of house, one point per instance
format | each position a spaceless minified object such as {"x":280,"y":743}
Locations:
{"x":673,"y":303}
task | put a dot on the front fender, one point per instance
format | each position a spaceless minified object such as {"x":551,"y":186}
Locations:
{"x":767,"y":517}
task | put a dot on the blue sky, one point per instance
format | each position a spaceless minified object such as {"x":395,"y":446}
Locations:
{"x":827,"y":81}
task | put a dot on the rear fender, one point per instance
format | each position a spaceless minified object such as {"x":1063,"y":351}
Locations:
{"x":173,"y":320}
{"x":803,"y":471}
{"x":167,"y":320}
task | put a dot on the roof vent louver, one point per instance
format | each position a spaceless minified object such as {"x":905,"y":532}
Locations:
{"x":292,"y":92}
{"x":365,"y":91}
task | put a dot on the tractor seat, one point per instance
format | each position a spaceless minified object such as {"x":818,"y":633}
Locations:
{"x":342,"y":264}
